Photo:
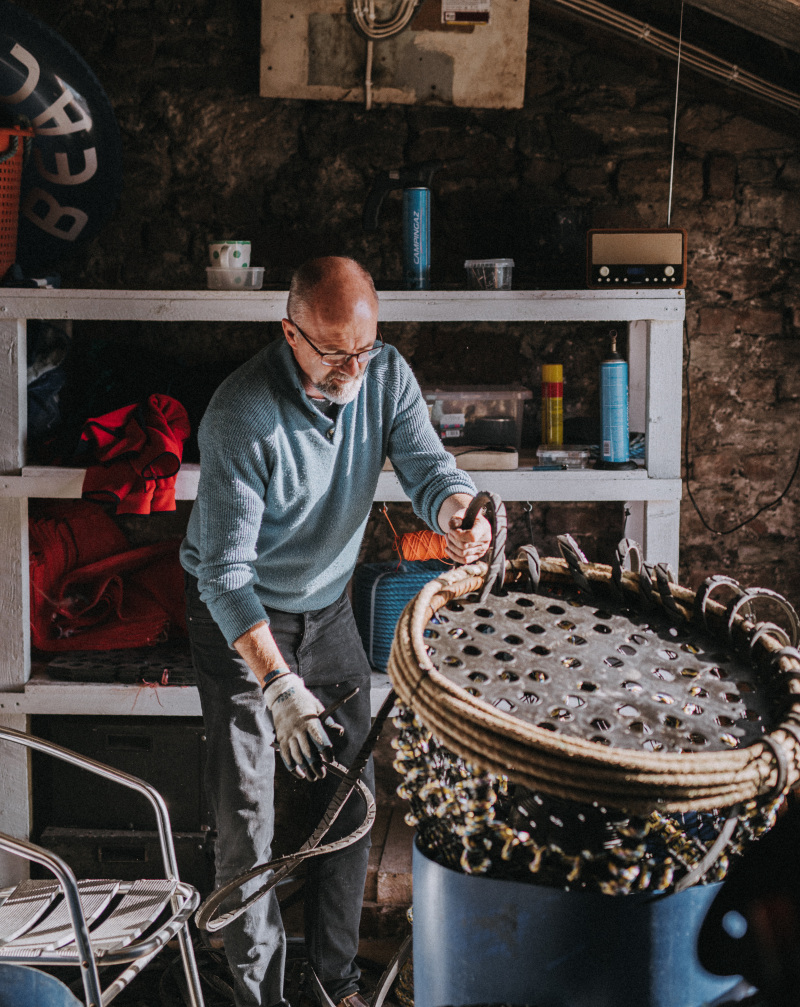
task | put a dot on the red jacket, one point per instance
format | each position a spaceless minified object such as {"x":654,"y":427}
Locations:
{"x":139,"y":450}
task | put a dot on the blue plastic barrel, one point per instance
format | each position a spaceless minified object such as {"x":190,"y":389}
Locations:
{"x":21,"y":986}
{"x":481,"y":940}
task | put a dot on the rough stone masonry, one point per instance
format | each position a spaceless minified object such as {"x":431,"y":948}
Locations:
{"x":205,"y":155}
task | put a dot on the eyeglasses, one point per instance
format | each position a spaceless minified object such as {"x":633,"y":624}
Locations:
{"x":339,"y":359}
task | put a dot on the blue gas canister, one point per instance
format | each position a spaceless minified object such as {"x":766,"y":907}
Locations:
{"x":417,"y":238}
{"x":614,"y":440}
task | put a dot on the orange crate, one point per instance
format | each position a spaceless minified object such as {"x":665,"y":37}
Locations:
{"x":12,"y":142}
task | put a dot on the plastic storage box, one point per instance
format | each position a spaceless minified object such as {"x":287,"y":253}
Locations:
{"x":250,"y":278}
{"x":478,"y":415}
{"x":489,"y":274}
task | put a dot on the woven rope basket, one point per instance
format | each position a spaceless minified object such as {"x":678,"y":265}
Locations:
{"x":582,"y":770}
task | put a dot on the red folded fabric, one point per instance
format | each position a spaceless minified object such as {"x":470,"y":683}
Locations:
{"x":139,"y":449}
{"x":91,"y":591}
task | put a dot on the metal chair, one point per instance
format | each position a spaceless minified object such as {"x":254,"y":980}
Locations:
{"x":21,"y":986}
{"x":86,"y":923}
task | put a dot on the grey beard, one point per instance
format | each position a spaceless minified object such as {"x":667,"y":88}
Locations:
{"x":340,"y":391}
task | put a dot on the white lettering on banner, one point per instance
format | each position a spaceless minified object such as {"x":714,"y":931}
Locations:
{"x":55,"y":214}
{"x":62,"y":174}
{"x":31,"y":64}
{"x":416,"y":237}
{"x":58,"y":113}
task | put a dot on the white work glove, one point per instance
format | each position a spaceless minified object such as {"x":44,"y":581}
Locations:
{"x":303,"y":743}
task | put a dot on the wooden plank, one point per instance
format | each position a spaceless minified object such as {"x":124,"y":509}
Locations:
{"x":655,"y":525}
{"x":13,"y":394}
{"x":395,"y":305}
{"x":664,"y":399}
{"x":14,"y":601}
{"x":637,"y":376}
{"x":14,"y":594}
{"x":14,"y":800}
{"x":394,"y":873}
{"x":48,"y":696}
{"x":662,"y":532}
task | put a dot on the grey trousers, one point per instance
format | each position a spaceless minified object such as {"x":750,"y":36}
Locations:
{"x":324,"y":648}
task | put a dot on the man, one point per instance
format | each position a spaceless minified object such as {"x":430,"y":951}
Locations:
{"x":291,"y":446}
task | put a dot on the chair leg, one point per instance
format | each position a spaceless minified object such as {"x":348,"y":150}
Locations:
{"x":130,"y":972}
{"x":190,"y":966}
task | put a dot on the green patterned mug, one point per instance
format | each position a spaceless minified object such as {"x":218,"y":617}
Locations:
{"x":229,"y":254}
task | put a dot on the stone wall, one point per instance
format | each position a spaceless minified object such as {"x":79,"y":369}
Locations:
{"x":205,"y":156}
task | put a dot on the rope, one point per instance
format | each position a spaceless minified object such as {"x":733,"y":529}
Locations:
{"x":415,"y":545}
{"x":573,"y":768}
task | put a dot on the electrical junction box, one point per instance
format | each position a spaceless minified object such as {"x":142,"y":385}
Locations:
{"x":310,"y":49}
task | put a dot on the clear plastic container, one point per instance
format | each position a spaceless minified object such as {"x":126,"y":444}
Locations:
{"x":489,"y":274}
{"x":478,"y":415}
{"x":565,"y":458}
{"x":249,"y":278}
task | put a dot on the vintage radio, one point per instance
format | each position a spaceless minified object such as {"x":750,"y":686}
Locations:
{"x":636,"y":257}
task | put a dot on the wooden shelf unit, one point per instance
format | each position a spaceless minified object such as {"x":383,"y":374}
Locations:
{"x":652,"y":494}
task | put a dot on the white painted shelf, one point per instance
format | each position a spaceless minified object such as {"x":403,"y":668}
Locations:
{"x":45,"y":695}
{"x":654,"y":321}
{"x":517,"y":484}
{"x":617,"y":305}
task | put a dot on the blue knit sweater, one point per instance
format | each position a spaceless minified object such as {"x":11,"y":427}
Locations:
{"x":285,"y":491}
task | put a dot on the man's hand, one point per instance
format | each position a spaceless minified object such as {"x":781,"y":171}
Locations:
{"x":304,"y":745}
{"x":468,"y":546}
{"x":463,"y":546}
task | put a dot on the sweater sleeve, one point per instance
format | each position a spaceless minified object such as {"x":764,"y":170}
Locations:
{"x":426,"y":470}
{"x":230,"y":499}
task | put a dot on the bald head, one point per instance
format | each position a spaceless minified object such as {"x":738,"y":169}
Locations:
{"x":332,"y":288}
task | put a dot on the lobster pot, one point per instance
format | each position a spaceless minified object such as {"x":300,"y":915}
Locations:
{"x":583,"y":752}
{"x":481,"y":940}
{"x":380,"y":593}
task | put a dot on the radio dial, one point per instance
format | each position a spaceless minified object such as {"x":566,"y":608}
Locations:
{"x":669,"y":270}
{"x":604,"y":270}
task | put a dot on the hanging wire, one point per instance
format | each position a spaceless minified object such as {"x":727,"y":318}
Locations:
{"x":704,"y":62}
{"x":363,"y":13}
{"x":767,"y":506}
{"x":675,"y":119}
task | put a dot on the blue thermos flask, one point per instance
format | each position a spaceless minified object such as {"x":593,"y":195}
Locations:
{"x":417,"y":238}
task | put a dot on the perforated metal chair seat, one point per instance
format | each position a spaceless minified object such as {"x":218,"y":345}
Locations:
{"x":125,"y":919}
